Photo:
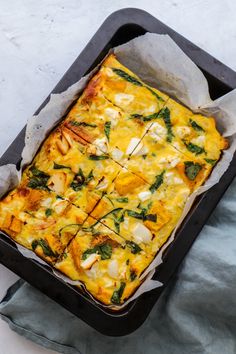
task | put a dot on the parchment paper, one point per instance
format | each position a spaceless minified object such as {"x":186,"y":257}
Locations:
{"x":158,"y":61}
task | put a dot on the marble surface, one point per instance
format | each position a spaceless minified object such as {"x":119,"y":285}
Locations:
{"x":40,"y":39}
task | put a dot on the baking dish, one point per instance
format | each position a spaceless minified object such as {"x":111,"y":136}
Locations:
{"x":120,"y":27}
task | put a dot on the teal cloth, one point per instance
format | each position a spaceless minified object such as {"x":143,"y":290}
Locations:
{"x":195,"y":315}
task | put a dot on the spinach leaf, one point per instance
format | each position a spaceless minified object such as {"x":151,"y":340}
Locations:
{"x":117,"y":221}
{"x":82,"y":124}
{"x":122,"y":200}
{"x":133,"y":275}
{"x":145,"y":118}
{"x":37,"y":173}
{"x":195,"y":126}
{"x":134,"y":247}
{"x":195,"y":149}
{"x":135,"y":215}
{"x":48,"y":212}
{"x":142,"y":215}
{"x":107,"y":129}
{"x":127,"y":77}
{"x":97,"y":158}
{"x":192,"y":169}
{"x":104,"y":250}
{"x":155,"y":94}
{"x":45,"y":247}
{"x":56,"y":166}
{"x":211,"y":161}
{"x":158,"y":182}
{"x":70,"y":228}
{"x":38,"y":180}
{"x":80,"y":180}
{"x":112,"y":212}
{"x":59,"y":197}
{"x":165,"y":115}
{"x":117,"y":294}
{"x":151,"y":217}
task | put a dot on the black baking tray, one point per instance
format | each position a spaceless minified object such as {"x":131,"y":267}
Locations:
{"x":120,"y":27}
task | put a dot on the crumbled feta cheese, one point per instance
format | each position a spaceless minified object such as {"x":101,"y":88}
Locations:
{"x":93,"y":272}
{"x":169,"y":177}
{"x":144,"y":195}
{"x":183,"y":131}
{"x":177,"y":180}
{"x":176,"y":145}
{"x":141,"y":233}
{"x":134,"y":145}
{"x":112,"y":268}
{"x":46,"y":202}
{"x":117,"y":154}
{"x":109,"y":72}
{"x":149,"y":110}
{"x":200,"y":140}
{"x":169,"y":161}
{"x":102,"y":145}
{"x":103,"y":184}
{"x":123,"y":98}
{"x":140,"y":150}
{"x":126,"y":223}
{"x":87,"y":263}
{"x":60,"y":205}
{"x":157,"y":131}
{"x":175,"y":161}
{"x":112,"y":113}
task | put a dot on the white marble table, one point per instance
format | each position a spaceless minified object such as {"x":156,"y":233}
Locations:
{"x":40,"y":39}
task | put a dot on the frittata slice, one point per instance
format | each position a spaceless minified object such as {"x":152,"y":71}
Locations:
{"x":142,"y":214}
{"x":73,"y":168}
{"x":192,"y":134}
{"x":104,"y":114}
{"x":40,"y":220}
{"x":108,"y":267}
{"x":154,"y":157}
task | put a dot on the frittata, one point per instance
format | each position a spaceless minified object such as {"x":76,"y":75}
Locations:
{"x":109,"y":184}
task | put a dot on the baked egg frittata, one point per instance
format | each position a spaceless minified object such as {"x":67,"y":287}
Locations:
{"x":109,"y":184}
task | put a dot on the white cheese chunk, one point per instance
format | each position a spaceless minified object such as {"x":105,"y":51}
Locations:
{"x":177,"y":180}
{"x":113,"y":114}
{"x":157,"y":131}
{"x":132,"y":145}
{"x":123,"y":98}
{"x":141,"y":150}
{"x":112,"y":268}
{"x":117,"y":154}
{"x":46,"y":202}
{"x":149,"y":110}
{"x":144,"y":195}
{"x":169,"y":177}
{"x":60,"y":205}
{"x":87,"y":263}
{"x":93,"y":272}
{"x":200,"y":140}
{"x":176,"y":145}
{"x":102,"y":145}
{"x":103,"y":184}
{"x":175,"y":161}
{"x":141,"y":233}
{"x":109,"y":72}
{"x":183,"y":131}
{"x":169,"y":161}
{"x":126,"y":223}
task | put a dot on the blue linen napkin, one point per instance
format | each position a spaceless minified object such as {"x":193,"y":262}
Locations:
{"x":195,"y":315}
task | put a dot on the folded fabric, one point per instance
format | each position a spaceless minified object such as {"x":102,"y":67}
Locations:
{"x":196,"y":314}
